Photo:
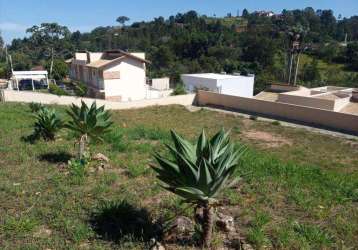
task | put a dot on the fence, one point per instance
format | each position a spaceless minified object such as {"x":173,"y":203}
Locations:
{"x":311,"y":116}
{"x":29,"y":96}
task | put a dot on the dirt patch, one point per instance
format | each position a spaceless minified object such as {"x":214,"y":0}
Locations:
{"x":268,"y":139}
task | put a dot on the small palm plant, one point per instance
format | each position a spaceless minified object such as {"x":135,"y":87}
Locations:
{"x":47,"y":124}
{"x":199,"y":172}
{"x":88,"y":123}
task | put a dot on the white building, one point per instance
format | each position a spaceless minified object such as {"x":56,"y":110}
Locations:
{"x":237,"y":85}
{"x":112,"y":75}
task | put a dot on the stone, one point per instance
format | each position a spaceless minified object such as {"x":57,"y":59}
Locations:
{"x":180,"y":228}
{"x":247,"y":247}
{"x":225,"y":222}
{"x":42,"y":232}
{"x":100,"y":157}
{"x":155,"y":245}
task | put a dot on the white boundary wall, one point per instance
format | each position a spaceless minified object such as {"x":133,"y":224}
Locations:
{"x":29,"y":96}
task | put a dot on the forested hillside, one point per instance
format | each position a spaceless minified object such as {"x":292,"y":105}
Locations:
{"x":187,"y":43}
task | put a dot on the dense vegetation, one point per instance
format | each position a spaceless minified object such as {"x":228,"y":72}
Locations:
{"x":188,"y":43}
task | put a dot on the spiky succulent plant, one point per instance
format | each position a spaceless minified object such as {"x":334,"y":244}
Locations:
{"x":88,"y":122}
{"x":198,"y":172}
{"x":47,"y":124}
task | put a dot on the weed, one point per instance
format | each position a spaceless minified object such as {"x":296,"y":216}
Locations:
{"x":140,"y":132}
{"x":253,"y":117}
{"x":20,"y":225}
{"x":276,"y":123}
{"x":312,"y":234}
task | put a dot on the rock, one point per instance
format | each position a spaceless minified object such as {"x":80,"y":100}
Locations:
{"x":155,"y":245}
{"x":42,"y":232}
{"x":100,"y":169}
{"x":100,"y":157}
{"x":247,"y":247}
{"x":181,"y":228}
{"x":225,"y":222}
{"x":62,"y":167}
{"x":91,"y":170}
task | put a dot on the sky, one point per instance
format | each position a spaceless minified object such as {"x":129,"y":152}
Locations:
{"x":84,"y":15}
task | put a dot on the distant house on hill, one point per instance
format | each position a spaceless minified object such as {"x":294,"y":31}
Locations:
{"x":113,"y":75}
{"x":264,"y":13}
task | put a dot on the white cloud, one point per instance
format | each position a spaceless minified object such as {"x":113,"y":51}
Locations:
{"x":10,"y":26}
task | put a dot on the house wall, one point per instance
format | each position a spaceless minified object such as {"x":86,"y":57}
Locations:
{"x":318,"y":117}
{"x":192,"y":82}
{"x":238,"y":86}
{"x":131,"y":84}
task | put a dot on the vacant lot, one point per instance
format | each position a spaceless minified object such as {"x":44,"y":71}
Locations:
{"x":299,"y":190}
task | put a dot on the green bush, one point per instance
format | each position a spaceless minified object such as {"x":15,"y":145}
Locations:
{"x":80,"y":89}
{"x":56,"y":90}
{"x":179,"y":90}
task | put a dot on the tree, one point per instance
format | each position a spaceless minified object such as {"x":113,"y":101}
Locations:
{"x":199,"y":172}
{"x":310,"y":72}
{"x":245,"y":13}
{"x":88,"y":123}
{"x":59,"y":69}
{"x":122,"y":20}
{"x":352,"y":55}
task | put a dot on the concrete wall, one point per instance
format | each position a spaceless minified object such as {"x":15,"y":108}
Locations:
{"x":29,"y":96}
{"x":341,"y":103}
{"x":131,"y":84}
{"x":283,"y":87}
{"x":318,"y":117}
{"x":160,"y":83}
{"x":306,"y":101}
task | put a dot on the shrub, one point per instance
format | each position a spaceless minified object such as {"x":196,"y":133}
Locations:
{"x":80,"y":89}
{"x":56,"y":90}
{"x":47,"y":124}
{"x":179,"y":90}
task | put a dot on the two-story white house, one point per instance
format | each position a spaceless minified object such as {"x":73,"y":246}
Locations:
{"x":113,"y":75}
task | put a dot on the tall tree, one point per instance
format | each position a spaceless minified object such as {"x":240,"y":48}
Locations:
{"x":122,"y":20}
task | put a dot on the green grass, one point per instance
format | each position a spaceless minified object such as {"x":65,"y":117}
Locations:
{"x":300,"y":195}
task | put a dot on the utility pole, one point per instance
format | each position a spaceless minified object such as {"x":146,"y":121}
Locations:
{"x":10,"y":61}
{"x":6,"y":55}
{"x":297,"y":64}
{"x":51,"y":65}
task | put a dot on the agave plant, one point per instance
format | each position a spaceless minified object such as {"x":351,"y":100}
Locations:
{"x":88,"y":123}
{"x":198,"y":172}
{"x":47,"y":124}
{"x":35,"y":107}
